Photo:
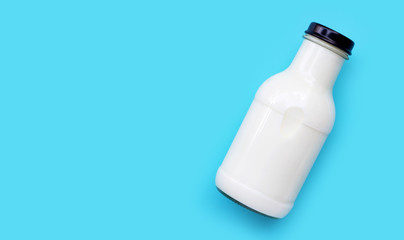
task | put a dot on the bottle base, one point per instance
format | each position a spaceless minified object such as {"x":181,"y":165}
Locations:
{"x":250,"y":198}
{"x":244,"y":206}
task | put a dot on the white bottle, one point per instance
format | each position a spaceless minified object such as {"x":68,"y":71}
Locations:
{"x":290,"y":118}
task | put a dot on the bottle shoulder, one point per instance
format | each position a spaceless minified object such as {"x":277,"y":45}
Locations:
{"x":293,"y":89}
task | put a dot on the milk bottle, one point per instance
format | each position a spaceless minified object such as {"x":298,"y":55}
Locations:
{"x":287,"y":123}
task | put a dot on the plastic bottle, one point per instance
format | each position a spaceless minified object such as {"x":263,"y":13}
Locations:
{"x":286,"y":126}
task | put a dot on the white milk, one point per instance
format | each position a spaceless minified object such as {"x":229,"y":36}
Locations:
{"x":290,"y":118}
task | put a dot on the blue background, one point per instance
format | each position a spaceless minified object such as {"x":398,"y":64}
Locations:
{"x":115,"y":116}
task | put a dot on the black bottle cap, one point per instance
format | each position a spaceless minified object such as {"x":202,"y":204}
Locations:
{"x":332,"y":37}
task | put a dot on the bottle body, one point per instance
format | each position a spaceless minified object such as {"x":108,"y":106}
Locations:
{"x":284,"y":130}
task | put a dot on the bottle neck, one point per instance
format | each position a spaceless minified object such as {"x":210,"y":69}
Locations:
{"x":318,"y":60}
